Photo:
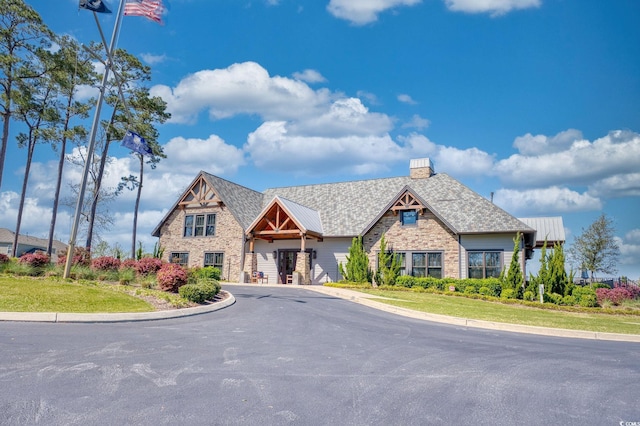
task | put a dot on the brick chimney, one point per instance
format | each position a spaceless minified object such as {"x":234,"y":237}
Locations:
{"x":420,"y":168}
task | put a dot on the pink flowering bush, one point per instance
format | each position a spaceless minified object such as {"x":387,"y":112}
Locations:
{"x":81,"y":257}
{"x":148,"y":265}
{"x":617,"y":295}
{"x":171,"y":277}
{"x":129,"y":264}
{"x":105,"y":263}
{"x":36,"y":260}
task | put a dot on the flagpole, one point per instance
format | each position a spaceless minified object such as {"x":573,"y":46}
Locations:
{"x":92,"y":142}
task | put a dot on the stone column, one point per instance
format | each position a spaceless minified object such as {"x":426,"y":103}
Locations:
{"x":250,"y":265}
{"x":302,"y":267}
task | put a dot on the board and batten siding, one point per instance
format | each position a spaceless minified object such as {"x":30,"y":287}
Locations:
{"x":324,"y":268}
{"x":486,"y":242}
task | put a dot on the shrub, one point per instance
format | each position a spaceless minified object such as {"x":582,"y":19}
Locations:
{"x":171,"y":277}
{"x":528,"y":295}
{"x":148,"y":265}
{"x":617,"y":295}
{"x":35,"y":260}
{"x":569,"y":300}
{"x":81,"y":257}
{"x":208,"y":273}
{"x":129,"y":264}
{"x":588,"y":301}
{"x":105,"y":263}
{"x":508,"y":293}
{"x":470,"y":289}
{"x":200,"y":292}
{"x":554,"y":298}
{"x":3,"y":259}
{"x":485,"y":291}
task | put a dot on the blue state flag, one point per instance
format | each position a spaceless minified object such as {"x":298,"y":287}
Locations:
{"x":94,"y":6}
{"x":136,"y":143}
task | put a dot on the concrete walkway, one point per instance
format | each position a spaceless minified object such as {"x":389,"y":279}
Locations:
{"x":351,"y":295}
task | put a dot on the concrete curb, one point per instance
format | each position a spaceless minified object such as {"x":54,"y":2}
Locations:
{"x":116,"y":317}
{"x":366,"y":300}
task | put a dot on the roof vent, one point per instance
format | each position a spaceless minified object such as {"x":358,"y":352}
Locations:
{"x":420,"y":168}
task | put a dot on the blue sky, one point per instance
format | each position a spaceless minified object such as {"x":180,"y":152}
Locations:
{"x":537,"y":101}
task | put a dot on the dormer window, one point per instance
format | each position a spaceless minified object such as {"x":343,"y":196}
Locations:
{"x":409,"y":217}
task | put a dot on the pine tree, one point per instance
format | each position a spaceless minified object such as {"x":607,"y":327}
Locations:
{"x":357,"y":267}
{"x":388,"y":265}
{"x":514,"y":279}
{"x":557,"y":276}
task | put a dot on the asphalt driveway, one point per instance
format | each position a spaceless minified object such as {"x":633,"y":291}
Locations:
{"x":293,"y":356}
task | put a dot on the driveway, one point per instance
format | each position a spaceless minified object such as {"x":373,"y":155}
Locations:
{"x":293,"y":356}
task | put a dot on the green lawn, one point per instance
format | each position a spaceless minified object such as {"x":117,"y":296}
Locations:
{"x":24,"y":294}
{"x":515,"y":314}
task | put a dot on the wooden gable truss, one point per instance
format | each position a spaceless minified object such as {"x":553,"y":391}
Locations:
{"x":276,"y":224}
{"x":202,"y":194}
{"x":408,"y":201}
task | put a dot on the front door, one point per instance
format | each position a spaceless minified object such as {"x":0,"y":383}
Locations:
{"x":286,"y":264}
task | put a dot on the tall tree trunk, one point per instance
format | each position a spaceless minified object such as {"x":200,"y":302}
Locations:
{"x":98,"y":183}
{"x":135,"y":210}
{"x":32,"y":145}
{"x":56,"y":197}
{"x":5,"y":138}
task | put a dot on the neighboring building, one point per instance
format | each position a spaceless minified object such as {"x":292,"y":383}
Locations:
{"x":29,"y":244}
{"x":301,"y":234}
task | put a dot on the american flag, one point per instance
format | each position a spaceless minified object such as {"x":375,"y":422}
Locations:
{"x":150,"y":9}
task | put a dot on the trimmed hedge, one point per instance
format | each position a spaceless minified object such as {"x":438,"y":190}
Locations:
{"x":199,"y":292}
{"x":171,"y":277}
{"x":493,"y":285}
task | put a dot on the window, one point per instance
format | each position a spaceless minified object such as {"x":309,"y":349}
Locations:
{"x":409,"y":217}
{"x":211,"y":225}
{"x":214,"y":259}
{"x":419,"y":266}
{"x":199,"y":225}
{"x":402,"y":257}
{"x":181,"y":258}
{"x":434,"y":265}
{"x":485,"y":264}
{"x":427,"y":264}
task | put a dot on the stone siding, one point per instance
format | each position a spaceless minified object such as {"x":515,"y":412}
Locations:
{"x":228,"y":239}
{"x":430,"y":234}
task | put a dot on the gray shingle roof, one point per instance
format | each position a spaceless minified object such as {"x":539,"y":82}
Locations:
{"x":549,"y":228}
{"x":244,"y":203}
{"x":348,"y":208}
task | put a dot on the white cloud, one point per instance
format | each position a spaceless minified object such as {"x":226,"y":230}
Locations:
{"x":447,"y":159}
{"x":583,"y":163}
{"x":495,"y":7}
{"x":546,"y":201}
{"x":309,"y":76}
{"x":417,"y":122}
{"x":242,"y":88}
{"x":617,"y":186}
{"x":406,"y":99}
{"x":360,"y":12}
{"x":152,"y":59}
{"x":371,"y":98}
{"x":541,"y":144}
{"x":273,"y":146}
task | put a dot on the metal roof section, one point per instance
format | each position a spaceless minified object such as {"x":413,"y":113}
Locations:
{"x":549,"y":228}
{"x":308,"y":218}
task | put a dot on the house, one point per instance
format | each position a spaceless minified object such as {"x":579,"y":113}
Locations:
{"x":29,"y":244}
{"x":300,"y":234}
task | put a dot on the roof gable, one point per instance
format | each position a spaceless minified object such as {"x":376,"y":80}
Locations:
{"x":283,"y":218}
{"x":243,"y":203}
